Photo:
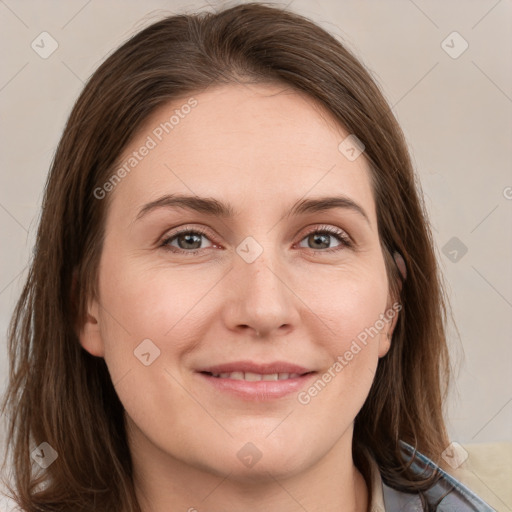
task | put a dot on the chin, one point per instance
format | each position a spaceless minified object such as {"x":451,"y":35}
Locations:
{"x":263,"y":460}
{"x":271,"y":469}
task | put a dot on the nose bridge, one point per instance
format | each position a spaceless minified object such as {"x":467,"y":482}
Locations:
{"x":261,"y":274}
{"x":263,"y":299}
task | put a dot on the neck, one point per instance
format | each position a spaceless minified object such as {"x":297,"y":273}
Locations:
{"x":332,"y":484}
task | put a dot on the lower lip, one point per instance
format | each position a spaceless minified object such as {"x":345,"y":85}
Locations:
{"x":260,"y":390}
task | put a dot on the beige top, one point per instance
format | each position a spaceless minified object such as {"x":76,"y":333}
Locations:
{"x":487,"y":472}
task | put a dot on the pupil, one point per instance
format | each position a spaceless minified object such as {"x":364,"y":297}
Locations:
{"x":324,"y":236}
{"x":188,"y":240}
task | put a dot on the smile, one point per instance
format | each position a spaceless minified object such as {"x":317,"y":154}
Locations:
{"x":247,"y":380}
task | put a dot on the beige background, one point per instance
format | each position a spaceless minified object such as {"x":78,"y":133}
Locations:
{"x":456,"y":114}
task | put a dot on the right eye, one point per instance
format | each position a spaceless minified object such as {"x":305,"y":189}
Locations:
{"x":184,"y":238}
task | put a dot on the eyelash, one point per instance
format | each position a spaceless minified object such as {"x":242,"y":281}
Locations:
{"x":339,"y":234}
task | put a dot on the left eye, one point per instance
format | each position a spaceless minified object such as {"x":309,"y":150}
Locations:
{"x":321,"y":236}
{"x":189,"y":241}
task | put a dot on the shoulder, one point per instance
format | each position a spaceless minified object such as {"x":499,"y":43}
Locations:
{"x":476,"y":479}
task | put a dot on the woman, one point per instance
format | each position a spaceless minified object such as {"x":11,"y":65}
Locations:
{"x":294,"y":356}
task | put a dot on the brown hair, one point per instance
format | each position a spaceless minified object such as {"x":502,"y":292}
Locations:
{"x":60,"y":394}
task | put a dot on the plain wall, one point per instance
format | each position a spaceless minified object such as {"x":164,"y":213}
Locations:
{"x":455,"y":112}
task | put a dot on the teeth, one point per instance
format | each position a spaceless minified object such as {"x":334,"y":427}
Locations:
{"x":253,"y":377}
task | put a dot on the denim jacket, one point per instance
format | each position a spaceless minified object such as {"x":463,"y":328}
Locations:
{"x":447,"y":495}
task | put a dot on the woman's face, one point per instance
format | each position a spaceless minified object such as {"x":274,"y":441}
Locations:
{"x":196,"y":328}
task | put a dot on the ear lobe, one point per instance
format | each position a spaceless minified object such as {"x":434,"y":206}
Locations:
{"x":387,"y":334}
{"x":90,"y":333}
{"x":384,"y":344}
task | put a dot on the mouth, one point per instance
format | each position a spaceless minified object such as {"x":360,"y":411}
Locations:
{"x":260,"y":382}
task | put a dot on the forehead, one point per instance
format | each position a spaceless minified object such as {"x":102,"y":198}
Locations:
{"x":260,"y":143}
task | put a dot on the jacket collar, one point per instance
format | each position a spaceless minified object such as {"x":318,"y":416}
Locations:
{"x":446,"y":495}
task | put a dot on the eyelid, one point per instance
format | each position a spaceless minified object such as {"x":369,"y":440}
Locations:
{"x":334,"y":230}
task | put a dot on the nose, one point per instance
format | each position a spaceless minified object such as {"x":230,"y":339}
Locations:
{"x":260,"y":299}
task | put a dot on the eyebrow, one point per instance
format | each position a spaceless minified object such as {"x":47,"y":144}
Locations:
{"x":214,"y":207}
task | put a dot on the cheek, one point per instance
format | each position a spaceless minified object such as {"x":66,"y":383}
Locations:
{"x":138,"y":305}
{"x":348,"y":303}
{"x":169,"y":307}
{"x":142,"y":303}
{"x":351,"y":312}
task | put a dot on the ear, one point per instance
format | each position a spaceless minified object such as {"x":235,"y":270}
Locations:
{"x":392,"y":309}
{"x":400,"y":263}
{"x":89,"y":333}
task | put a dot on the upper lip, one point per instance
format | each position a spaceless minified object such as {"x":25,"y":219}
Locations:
{"x":261,"y":368}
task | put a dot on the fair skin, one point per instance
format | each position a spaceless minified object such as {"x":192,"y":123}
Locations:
{"x":260,"y":148}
